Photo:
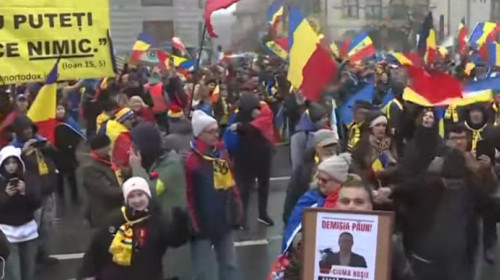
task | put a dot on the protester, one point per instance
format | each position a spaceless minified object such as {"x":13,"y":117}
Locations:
{"x":180,"y":135}
{"x":141,"y":110}
{"x":160,"y":107}
{"x":38,"y":156}
{"x":213,"y":200}
{"x":253,"y":158}
{"x":360,"y":110}
{"x":441,"y":209}
{"x":325,"y":146}
{"x":313,"y":119}
{"x":67,"y":138}
{"x":164,"y":172}
{"x":102,"y":181}
{"x":131,"y":245}
{"x":22,"y":104}
{"x":20,"y":197}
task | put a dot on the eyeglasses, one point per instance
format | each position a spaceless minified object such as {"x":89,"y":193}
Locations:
{"x":211,"y":131}
{"x":323,"y":180}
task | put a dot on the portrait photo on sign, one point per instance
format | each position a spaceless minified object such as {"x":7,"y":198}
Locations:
{"x":346,"y":246}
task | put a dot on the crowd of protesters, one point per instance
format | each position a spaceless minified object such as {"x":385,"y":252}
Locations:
{"x":174,"y":158}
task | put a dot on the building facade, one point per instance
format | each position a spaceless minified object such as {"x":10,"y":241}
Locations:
{"x":163,"y":19}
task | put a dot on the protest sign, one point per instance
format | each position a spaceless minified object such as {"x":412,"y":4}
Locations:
{"x":341,"y":245}
{"x":35,"y":33}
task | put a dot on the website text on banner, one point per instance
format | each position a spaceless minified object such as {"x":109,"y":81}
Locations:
{"x":35,"y":33}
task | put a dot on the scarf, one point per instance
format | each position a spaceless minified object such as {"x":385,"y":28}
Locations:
{"x":452,"y":114}
{"x":354,"y":135}
{"x":223,"y":178}
{"x":496,"y":108}
{"x":476,"y":135}
{"x":122,"y":245}
{"x":116,"y":169}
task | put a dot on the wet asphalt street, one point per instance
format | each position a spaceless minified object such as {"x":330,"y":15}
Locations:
{"x":256,"y":248}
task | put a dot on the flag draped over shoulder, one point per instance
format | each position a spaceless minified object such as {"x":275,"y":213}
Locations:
{"x":431,"y":88}
{"x":427,"y":40}
{"x":311,"y":66}
{"x":141,"y":46}
{"x":212,"y":6}
{"x":462,"y":35}
{"x":43,"y":110}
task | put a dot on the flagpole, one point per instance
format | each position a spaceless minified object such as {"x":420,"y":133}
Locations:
{"x":197,"y":69}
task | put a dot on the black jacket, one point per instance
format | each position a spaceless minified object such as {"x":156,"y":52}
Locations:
{"x":334,"y":259}
{"x":18,"y":209}
{"x":146,"y":257}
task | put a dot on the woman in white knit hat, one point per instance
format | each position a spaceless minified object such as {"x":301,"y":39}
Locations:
{"x":132,"y":244}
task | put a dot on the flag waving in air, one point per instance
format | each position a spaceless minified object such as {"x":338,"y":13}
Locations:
{"x":361,"y":47}
{"x":427,"y":40}
{"x":311,"y":65}
{"x":275,"y":13}
{"x":43,"y":110}
{"x":212,"y":6}
{"x":141,"y":46}
{"x":462,"y":35}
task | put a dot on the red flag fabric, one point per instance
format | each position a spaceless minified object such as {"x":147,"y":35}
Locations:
{"x":318,"y":72}
{"x":344,"y":48}
{"x":434,"y":86}
{"x":212,"y":6}
{"x":264,"y":122}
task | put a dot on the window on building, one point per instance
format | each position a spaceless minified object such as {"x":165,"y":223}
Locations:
{"x":201,"y":4}
{"x":373,"y":9}
{"x":350,"y":8}
{"x":160,"y":30}
{"x":146,"y":3}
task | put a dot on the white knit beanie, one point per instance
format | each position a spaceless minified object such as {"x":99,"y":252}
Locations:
{"x":336,"y":166}
{"x":200,"y":121}
{"x":135,"y":184}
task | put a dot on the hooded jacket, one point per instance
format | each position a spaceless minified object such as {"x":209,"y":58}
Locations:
{"x":482,"y":131}
{"x":17,"y":211}
{"x":151,"y":239}
{"x":303,"y":139}
{"x":168,"y":186}
{"x":48,"y":181}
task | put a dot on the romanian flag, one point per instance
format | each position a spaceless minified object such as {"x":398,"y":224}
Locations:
{"x":311,"y":66}
{"x":344,"y":48}
{"x":432,"y":89}
{"x":275,"y":13}
{"x":163,"y":60}
{"x":279,"y":47}
{"x":462,"y":35}
{"x":475,"y":91}
{"x":380,"y":163}
{"x":404,"y":59}
{"x":493,"y":54}
{"x":482,"y":33}
{"x":43,"y":110}
{"x":361,"y":47}
{"x":184,"y":63}
{"x":142,"y":45}
{"x":334,"y":48}
{"x":212,"y":6}
{"x":427,"y":40}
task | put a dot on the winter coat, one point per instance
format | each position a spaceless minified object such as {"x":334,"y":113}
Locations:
{"x":157,"y":236}
{"x":103,"y":190}
{"x":168,"y":187}
{"x":4,"y":246}
{"x":181,"y":133}
{"x":214,"y":212}
{"x":67,"y":137}
{"x":299,"y":183}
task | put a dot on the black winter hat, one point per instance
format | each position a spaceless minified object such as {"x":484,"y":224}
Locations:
{"x":99,"y":141}
{"x":316,"y":111}
{"x":248,"y":101}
